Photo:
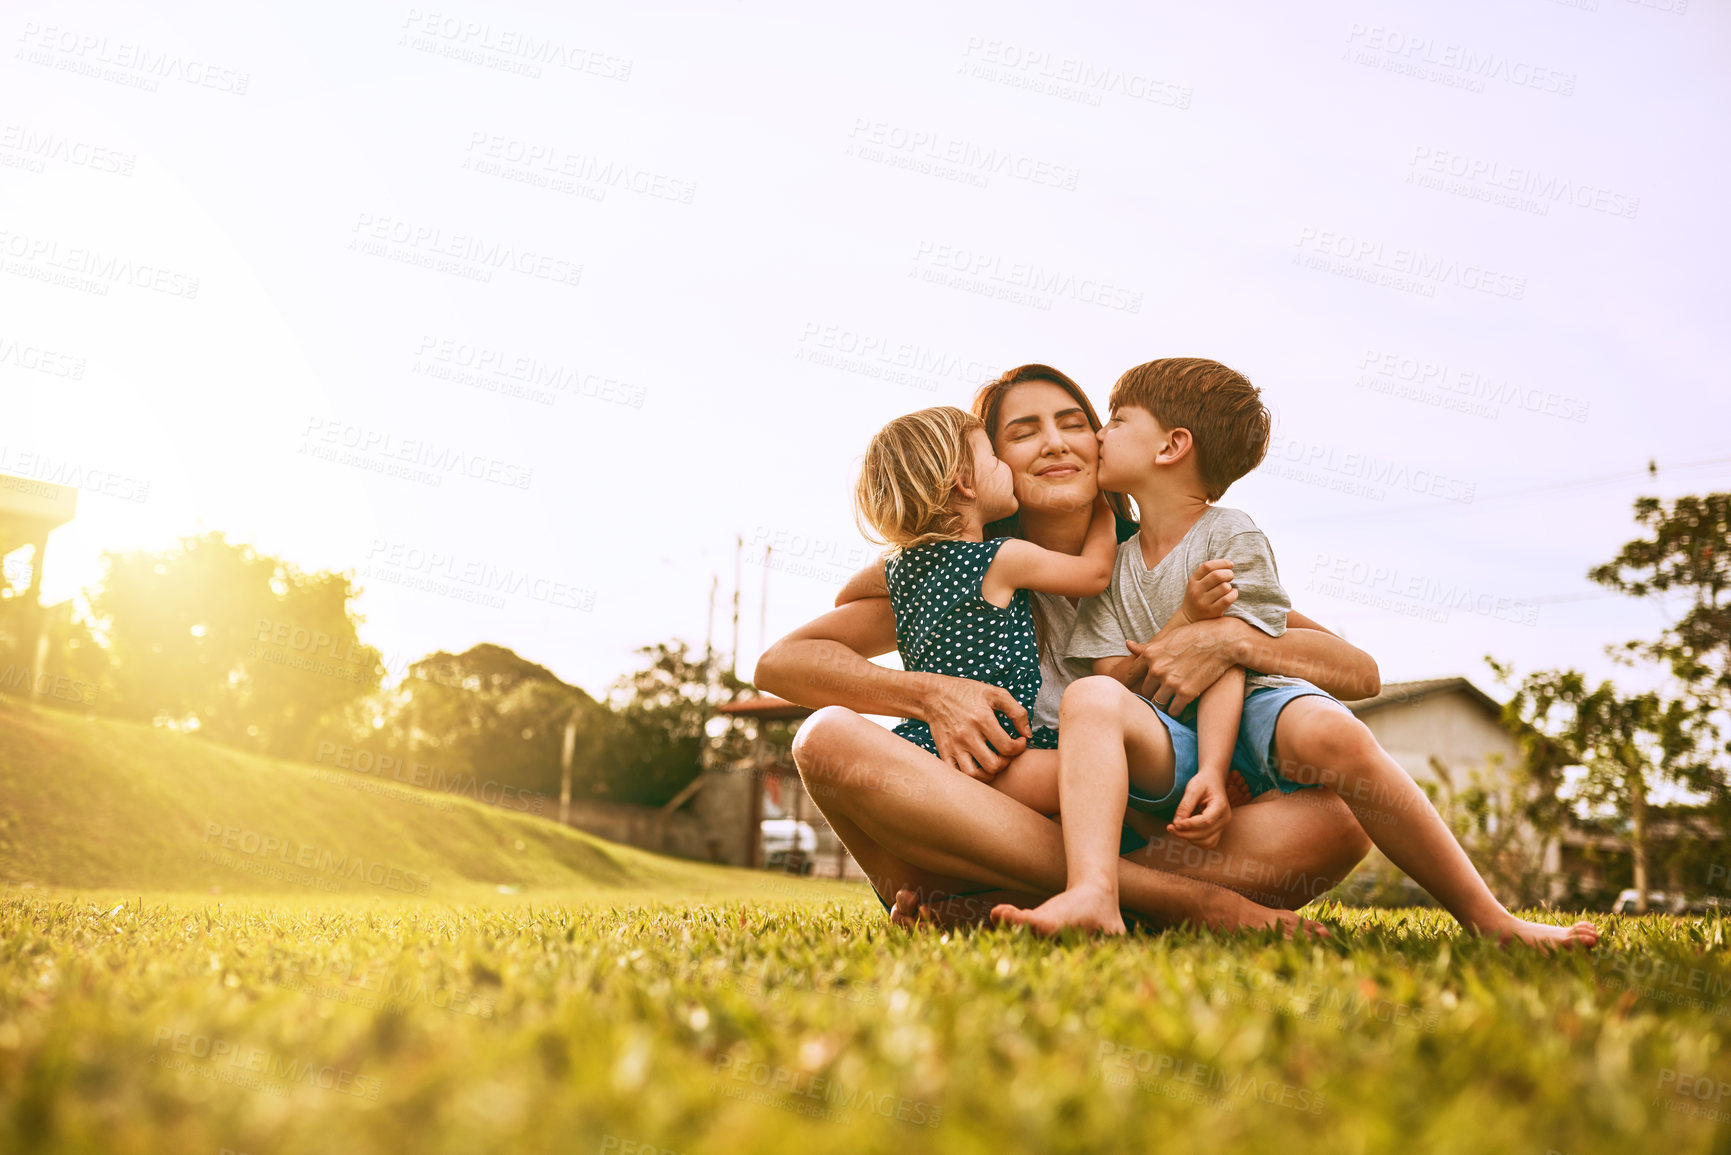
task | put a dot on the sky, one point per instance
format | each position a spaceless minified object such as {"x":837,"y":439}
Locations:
{"x":525,"y":314}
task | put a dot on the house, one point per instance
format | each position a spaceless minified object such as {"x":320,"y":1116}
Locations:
{"x":29,"y":511}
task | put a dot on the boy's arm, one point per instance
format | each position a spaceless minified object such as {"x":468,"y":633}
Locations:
{"x":1023,"y":565}
{"x":867,"y":583}
{"x":1204,"y":811}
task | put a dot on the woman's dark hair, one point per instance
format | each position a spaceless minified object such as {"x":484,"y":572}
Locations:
{"x":988,"y":407}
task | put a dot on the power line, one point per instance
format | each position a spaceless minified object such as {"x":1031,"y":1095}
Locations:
{"x":1652,"y":471}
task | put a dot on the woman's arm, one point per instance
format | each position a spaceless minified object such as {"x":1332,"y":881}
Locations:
{"x":1180,"y":662}
{"x":823,"y":663}
{"x":867,"y":583}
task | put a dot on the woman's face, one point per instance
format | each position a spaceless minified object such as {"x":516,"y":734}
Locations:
{"x":1045,"y":438}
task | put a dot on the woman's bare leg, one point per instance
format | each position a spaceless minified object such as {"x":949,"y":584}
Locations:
{"x":923,"y":820}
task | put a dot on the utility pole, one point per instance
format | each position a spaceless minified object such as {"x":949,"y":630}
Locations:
{"x":738,"y":554}
{"x":763,"y":610}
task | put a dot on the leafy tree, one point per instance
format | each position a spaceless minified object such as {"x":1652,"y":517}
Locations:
{"x":484,"y":716}
{"x":213,"y":636}
{"x":1688,"y":553}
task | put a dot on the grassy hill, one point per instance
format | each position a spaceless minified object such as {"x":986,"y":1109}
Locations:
{"x":98,"y":805}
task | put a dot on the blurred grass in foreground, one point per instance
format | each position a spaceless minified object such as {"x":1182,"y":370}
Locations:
{"x":279,"y":1025}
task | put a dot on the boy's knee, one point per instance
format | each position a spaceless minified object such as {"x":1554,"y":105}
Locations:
{"x":1331,"y":742}
{"x":1093,"y":695}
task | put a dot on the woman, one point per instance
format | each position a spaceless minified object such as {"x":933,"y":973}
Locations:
{"x":940,"y":843}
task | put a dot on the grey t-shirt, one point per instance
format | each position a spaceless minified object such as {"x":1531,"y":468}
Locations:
{"x":1055,"y":672}
{"x":1140,"y":600}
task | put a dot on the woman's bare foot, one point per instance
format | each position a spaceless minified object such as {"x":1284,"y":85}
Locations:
{"x":1544,"y":936}
{"x":1083,"y":908}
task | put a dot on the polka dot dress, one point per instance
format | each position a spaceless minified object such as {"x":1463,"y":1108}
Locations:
{"x":944,"y":626}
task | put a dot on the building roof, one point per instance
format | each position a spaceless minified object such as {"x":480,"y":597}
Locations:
{"x":765,"y":707}
{"x":29,"y":509}
{"x":1411,"y":693}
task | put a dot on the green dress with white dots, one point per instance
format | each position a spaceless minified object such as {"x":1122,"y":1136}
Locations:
{"x":945,"y":626}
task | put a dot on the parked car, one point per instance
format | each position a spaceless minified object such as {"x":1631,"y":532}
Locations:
{"x":788,"y":845}
{"x":1658,"y":902}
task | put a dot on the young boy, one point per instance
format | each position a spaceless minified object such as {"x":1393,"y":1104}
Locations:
{"x":1182,"y":431}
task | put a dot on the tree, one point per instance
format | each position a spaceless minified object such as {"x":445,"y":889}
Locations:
{"x":653,"y":741}
{"x":216,"y":637}
{"x":1626,"y":744}
{"x":485,"y":716}
{"x":1688,"y":553}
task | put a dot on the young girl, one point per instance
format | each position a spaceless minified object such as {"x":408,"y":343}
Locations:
{"x":929,"y":486}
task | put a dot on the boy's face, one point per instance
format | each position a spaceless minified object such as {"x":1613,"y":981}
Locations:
{"x":994,"y":485}
{"x":1129,"y":443}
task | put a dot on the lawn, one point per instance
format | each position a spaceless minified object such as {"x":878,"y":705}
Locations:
{"x":799,"y":1022}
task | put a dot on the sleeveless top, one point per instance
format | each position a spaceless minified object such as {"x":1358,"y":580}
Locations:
{"x":945,"y":626}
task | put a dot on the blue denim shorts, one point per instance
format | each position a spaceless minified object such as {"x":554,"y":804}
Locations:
{"x":1252,"y":757}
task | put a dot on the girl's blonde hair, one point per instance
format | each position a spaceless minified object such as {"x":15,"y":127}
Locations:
{"x":910,"y":472}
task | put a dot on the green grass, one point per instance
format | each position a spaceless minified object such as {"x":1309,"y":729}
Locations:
{"x":701,"y":1010}
{"x":91,"y":803}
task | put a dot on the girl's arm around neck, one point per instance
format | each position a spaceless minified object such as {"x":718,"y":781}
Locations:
{"x":1023,"y":565}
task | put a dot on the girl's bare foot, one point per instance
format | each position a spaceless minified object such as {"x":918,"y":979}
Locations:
{"x":1086,"y":909}
{"x":1546,"y":937}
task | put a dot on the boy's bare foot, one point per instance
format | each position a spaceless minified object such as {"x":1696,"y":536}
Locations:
{"x":1546,"y":937}
{"x":1086,"y":909}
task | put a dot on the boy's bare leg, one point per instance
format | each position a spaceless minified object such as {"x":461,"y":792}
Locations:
{"x":910,"y":820}
{"x":1319,"y":741}
{"x":1109,"y":734}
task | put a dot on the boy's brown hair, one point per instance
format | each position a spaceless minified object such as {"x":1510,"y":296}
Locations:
{"x":910,"y":472}
{"x":1223,"y":411}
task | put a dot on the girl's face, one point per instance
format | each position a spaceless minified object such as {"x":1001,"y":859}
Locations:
{"x":1045,"y":438}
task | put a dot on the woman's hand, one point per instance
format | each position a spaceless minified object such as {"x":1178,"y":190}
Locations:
{"x":963,"y":715}
{"x":1181,"y":662}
